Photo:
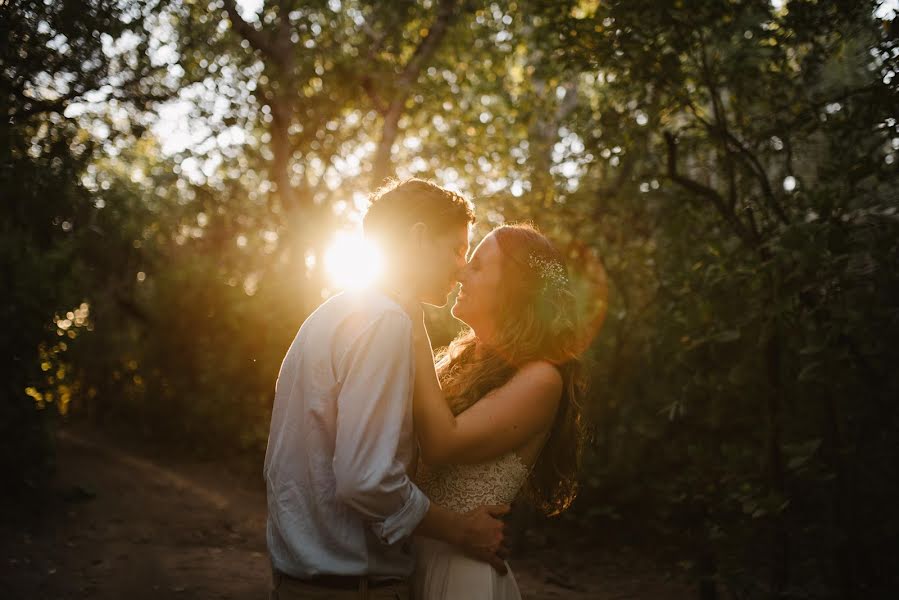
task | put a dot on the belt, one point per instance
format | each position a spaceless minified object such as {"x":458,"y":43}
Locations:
{"x":343,"y":582}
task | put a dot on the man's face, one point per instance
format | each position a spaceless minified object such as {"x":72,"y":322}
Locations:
{"x":443,"y":256}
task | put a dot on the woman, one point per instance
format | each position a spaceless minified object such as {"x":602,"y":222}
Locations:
{"x":500,"y":415}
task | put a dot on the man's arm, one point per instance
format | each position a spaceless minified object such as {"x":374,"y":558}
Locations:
{"x":372,"y":405}
{"x":375,"y":397}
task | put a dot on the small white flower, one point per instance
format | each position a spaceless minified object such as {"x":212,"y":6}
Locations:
{"x":550,"y":271}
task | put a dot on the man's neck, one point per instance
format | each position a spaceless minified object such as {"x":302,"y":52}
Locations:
{"x":397,"y":290}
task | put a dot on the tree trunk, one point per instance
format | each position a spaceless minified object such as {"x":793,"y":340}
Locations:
{"x":381,"y":166}
{"x":446,"y":14}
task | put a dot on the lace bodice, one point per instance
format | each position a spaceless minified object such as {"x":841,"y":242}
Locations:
{"x":464,"y":487}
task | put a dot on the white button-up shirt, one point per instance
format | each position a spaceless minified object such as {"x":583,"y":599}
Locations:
{"x":341,"y":439}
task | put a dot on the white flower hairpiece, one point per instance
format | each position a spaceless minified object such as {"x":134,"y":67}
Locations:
{"x":550,"y":271}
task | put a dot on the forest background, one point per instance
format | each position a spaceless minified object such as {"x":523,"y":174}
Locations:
{"x":174,"y":170}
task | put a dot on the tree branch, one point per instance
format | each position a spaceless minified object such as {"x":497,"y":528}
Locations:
{"x":446,"y":14}
{"x":720,"y":130}
{"x":569,"y":102}
{"x":375,"y":41}
{"x":706,"y":192}
{"x":126,"y":92}
{"x":38,"y":106}
{"x":369,"y":86}
{"x":257,"y":39}
{"x":756,"y":167}
{"x":608,"y":192}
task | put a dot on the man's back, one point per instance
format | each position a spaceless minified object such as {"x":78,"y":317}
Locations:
{"x":340,"y":441}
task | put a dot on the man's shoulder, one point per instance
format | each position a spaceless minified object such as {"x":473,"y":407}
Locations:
{"x":364,"y":309}
{"x":371,"y":324}
{"x":350,"y":314}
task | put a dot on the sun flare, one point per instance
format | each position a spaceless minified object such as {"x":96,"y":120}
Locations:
{"x":353,"y":262}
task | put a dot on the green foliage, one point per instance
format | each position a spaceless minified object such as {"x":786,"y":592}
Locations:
{"x":731,"y":165}
{"x":52,"y":53}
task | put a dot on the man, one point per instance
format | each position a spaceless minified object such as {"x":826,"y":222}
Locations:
{"x":341,"y":505}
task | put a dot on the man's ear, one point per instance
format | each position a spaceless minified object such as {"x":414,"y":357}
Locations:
{"x":418,"y":234}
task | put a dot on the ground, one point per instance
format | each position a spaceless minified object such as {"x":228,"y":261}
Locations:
{"x":129,"y":520}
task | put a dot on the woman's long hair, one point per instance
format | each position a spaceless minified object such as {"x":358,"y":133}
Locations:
{"x":538,"y":321}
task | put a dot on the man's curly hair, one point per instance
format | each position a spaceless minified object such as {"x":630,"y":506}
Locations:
{"x":398,"y":205}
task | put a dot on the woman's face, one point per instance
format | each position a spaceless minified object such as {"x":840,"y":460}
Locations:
{"x":478,"y":301}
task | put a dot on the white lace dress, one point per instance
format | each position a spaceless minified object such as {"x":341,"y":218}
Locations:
{"x":442,"y":572}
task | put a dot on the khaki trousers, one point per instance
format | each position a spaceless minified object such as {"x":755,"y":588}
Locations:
{"x":286,"y":588}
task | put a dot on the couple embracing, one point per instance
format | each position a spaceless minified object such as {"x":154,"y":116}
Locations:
{"x":388,"y":474}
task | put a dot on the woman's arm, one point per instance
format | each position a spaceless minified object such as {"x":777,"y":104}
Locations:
{"x":503,"y":420}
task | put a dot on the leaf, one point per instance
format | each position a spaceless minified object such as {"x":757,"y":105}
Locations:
{"x":808,"y":373}
{"x":730,"y":335}
{"x":812,"y":349}
{"x":797,"y":461}
{"x":801,"y":453}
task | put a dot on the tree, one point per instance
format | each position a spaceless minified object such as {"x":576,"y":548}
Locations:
{"x":53,"y":56}
{"x":738,"y":114}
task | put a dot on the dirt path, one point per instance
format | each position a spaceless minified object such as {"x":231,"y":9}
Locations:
{"x":125,"y":525}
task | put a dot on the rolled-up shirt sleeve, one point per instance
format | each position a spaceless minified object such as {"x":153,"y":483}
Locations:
{"x":374,"y":401}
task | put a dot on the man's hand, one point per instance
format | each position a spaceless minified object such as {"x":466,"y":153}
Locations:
{"x":482,"y":534}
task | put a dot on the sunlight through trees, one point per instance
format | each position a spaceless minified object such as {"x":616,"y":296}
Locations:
{"x":175,"y":172}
